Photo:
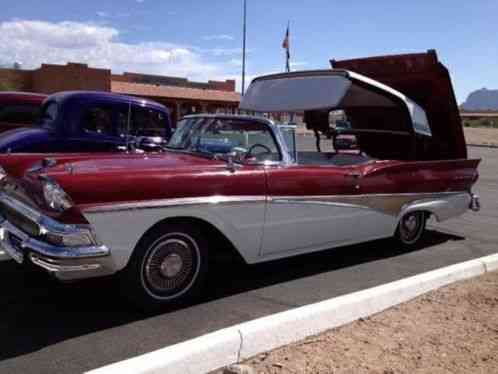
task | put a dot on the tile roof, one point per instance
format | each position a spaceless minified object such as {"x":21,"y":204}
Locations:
{"x":173,"y":92}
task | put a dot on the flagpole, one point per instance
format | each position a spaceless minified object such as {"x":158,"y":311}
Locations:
{"x":287,"y":53}
{"x":244,"y":49}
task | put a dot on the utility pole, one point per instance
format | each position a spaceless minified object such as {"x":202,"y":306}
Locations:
{"x":244,"y":49}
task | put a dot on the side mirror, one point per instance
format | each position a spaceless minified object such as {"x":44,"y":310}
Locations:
{"x":150,"y":143}
{"x":238,"y":154}
{"x":233,"y":161}
{"x":345,"y":142}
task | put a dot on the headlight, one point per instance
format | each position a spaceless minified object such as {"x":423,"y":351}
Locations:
{"x":67,"y":235}
{"x":3,"y":173}
{"x":55,"y":196}
{"x":79,"y":238}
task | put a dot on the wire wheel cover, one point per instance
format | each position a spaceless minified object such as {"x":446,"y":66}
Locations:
{"x":171,"y":265}
{"x":411,"y":226}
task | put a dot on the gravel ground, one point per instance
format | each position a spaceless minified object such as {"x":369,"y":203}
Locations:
{"x":481,"y":136}
{"x":451,"y":330}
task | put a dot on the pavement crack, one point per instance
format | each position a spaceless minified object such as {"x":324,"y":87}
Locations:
{"x":240,"y":345}
{"x":275,"y":301}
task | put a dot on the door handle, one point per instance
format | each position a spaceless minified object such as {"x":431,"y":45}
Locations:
{"x":355,"y":175}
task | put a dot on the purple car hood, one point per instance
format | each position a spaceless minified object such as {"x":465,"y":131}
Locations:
{"x":22,"y":137}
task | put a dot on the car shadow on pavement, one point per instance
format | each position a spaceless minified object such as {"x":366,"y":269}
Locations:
{"x":37,"y":311}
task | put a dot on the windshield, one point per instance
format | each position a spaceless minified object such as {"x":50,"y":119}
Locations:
{"x":218,"y":136}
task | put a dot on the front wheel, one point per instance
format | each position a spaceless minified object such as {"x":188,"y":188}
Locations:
{"x":168,"y":266}
{"x":411,"y":227}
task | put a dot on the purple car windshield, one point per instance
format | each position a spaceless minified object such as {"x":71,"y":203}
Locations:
{"x":49,"y":114}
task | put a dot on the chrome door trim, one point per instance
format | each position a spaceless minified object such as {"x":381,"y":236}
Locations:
{"x":164,"y":203}
{"x":391,"y":204}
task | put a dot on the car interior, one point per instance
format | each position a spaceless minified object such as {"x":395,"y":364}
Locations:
{"x":332,"y":148}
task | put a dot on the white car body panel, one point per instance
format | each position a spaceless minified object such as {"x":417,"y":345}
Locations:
{"x":263,"y":229}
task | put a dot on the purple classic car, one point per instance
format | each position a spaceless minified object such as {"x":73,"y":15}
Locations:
{"x":82,"y":121}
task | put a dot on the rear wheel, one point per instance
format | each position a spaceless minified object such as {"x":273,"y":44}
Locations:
{"x":168,"y":266}
{"x":411,"y":228}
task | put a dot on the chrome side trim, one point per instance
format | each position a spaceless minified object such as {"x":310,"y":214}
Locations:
{"x":391,"y":204}
{"x":164,"y":203}
{"x":387,"y":203}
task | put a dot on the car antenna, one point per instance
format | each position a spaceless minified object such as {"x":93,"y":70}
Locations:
{"x":128,"y":127}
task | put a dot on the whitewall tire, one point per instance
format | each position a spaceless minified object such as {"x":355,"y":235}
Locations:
{"x":168,"y":266}
{"x":411,"y":227}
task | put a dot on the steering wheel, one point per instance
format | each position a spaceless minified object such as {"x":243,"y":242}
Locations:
{"x":254,"y":146}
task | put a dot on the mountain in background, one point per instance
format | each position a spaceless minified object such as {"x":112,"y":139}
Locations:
{"x":481,"y":100}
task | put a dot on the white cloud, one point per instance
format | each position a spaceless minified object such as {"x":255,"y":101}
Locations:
{"x":36,"y":42}
{"x":218,"y":37}
{"x":63,"y":35}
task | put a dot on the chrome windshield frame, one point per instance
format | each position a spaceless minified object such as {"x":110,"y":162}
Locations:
{"x":285,"y":157}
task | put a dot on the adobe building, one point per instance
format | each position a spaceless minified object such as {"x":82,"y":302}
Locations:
{"x":180,"y":95}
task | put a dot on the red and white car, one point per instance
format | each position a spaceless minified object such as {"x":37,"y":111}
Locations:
{"x":19,"y":109}
{"x":153,"y":220}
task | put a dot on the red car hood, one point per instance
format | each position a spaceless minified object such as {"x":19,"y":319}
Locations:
{"x":110,"y":178}
{"x":131,"y":163}
{"x":121,"y":178}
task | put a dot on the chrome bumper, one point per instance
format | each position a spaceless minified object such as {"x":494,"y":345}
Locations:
{"x":65,"y":263}
{"x":475,"y":203}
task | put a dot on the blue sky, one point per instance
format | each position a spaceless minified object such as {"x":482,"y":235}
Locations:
{"x":202,"y":39}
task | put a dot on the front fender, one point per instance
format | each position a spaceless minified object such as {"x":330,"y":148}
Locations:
{"x":120,"y":230}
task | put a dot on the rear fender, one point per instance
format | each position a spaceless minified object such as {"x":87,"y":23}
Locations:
{"x":420,"y":176}
{"x":444,"y":207}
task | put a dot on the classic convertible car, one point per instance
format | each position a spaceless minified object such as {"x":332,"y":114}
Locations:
{"x":154,"y":220}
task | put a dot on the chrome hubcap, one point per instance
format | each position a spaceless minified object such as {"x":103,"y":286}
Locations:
{"x":411,"y":227}
{"x":171,"y":265}
{"x":410,"y":223}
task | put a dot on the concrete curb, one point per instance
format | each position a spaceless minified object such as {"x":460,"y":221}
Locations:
{"x":224,"y":347}
{"x":483,"y":145}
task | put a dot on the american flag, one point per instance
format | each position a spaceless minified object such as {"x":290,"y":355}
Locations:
{"x":286,"y":46}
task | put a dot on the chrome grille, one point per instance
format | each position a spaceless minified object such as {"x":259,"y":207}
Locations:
{"x":15,"y":241}
{"x":19,"y":220}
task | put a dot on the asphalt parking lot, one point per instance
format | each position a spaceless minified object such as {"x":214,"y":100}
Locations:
{"x":46,"y":327}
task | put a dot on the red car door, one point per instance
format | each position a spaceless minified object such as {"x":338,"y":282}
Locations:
{"x":312,"y":207}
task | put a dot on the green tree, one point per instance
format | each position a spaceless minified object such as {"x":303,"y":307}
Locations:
{"x":8,"y":85}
